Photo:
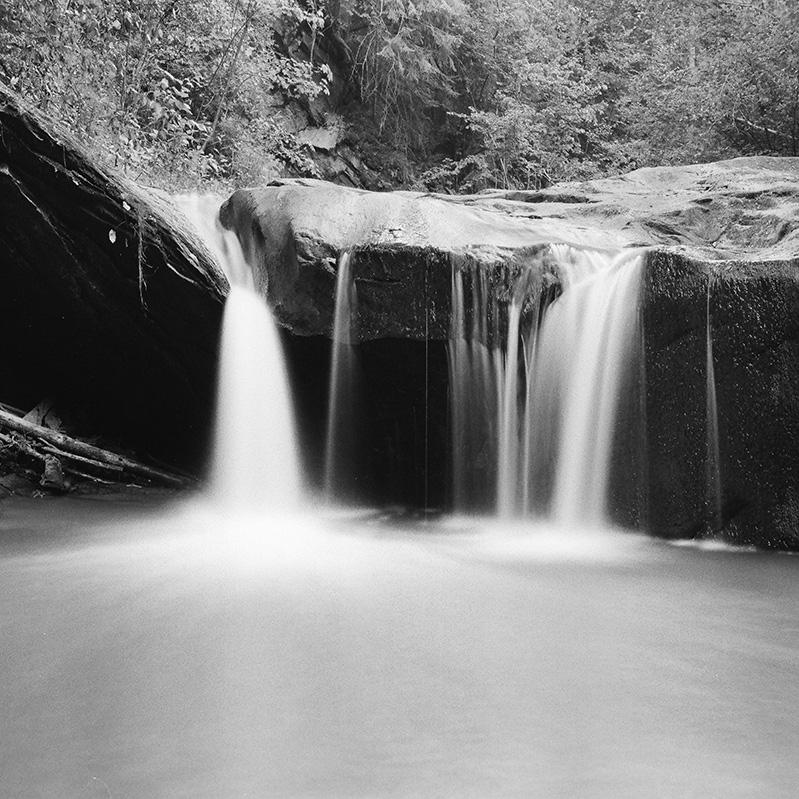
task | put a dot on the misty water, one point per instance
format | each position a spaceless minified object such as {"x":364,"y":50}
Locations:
{"x":255,"y":641}
{"x":164,"y":652}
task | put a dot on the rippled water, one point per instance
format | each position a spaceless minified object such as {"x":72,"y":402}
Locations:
{"x":158,"y":654}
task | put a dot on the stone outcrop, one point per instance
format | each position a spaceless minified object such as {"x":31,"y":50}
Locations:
{"x":402,"y":245}
{"x":728,"y":230}
{"x":744,"y":209}
{"x":110,"y":307}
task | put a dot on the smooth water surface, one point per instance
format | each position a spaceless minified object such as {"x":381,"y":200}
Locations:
{"x":152,"y":654}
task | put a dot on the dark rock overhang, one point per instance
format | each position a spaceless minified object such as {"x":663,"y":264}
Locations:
{"x":109,"y":304}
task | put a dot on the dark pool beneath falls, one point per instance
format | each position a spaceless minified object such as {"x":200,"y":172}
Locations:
{"x":165,"y":652}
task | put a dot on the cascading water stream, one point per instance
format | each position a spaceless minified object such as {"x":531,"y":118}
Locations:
{"x":255,"y":463}
{"x":341,"y":424}
{"x":512,"y":451}
{"x":713,"y":461}
{"x":508,"y":450}
{"x":591,"y":328}
{"x":474,"y":394}
{"x":553,"y":389}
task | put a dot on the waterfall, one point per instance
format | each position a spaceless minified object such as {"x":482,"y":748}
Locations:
{"x":512,"y":452}
{"x":255,"y":462}
{"x":537,"y":358}
{"x":474,"y":370}
{"x":342,"y":423}
{"x":592,"y":330}
{"x":713,"y":522}
{"x":535,"y":383}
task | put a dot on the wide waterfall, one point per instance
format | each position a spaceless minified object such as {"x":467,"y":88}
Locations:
{"x":538,"y":355}
{"x":535,"y":381}
{"x":255,"y":462}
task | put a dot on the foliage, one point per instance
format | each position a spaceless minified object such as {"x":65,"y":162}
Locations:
{"x":709,"y":79}
{"x":404,"y":59}
{"x":453,"y":95}
{"x":760,"y":85}
{"x":158,"y":86}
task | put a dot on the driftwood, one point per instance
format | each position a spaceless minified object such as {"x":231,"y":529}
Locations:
{"x":43,"y":443}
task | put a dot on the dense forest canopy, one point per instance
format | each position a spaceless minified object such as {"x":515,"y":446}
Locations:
{"x":452,"y":95}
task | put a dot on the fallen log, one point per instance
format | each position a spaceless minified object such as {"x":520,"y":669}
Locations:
{"x":71,"y":457}
{"x":66,"y":446}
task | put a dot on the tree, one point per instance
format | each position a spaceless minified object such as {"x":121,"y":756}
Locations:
{"x":451,"y":94}
{"x":404,"y":63}
{"x":169,"y":87}
{"x":536,"y":108}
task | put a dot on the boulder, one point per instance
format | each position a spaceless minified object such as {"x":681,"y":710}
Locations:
{"x":743,"y":208}
{"x":404,"y":242}
{"x":724,"y":253}
{"x":110,"y":306}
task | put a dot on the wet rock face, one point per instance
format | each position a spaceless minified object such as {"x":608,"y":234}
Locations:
{"x":754,"y":324}
{"x":401,"y":394}
{"x":675,"y":398}
{"x":109,"y":307}
{"x":755,"y":318}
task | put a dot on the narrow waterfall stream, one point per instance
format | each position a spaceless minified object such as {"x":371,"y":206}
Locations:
{"x":342,"y":421}
{"x":588,"y":336}
{"x":255,"y":462}
{"x":713,"y":463}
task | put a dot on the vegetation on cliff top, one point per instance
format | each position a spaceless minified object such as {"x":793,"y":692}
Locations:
{"x":453,"y":95}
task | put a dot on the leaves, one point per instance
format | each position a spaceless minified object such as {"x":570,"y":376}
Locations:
{"x":155,"y":86}
{"x":461,"y":93}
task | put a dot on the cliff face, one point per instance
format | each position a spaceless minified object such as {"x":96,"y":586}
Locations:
{"x":724,"y":253}
{"x":110,"y":307}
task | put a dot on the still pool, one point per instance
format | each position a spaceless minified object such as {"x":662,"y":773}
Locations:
{"x":170,"y":653}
